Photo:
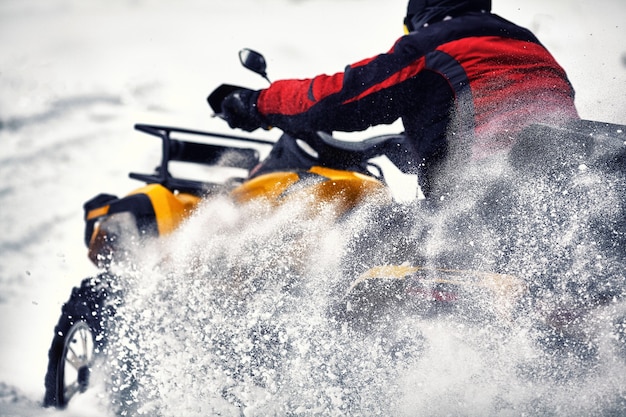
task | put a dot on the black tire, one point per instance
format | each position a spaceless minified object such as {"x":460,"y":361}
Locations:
{"x":78,"y":337}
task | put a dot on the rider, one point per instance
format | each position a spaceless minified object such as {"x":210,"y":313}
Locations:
{"x":460,"y":72}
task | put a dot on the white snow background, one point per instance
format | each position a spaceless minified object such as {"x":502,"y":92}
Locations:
{"x":76,"y":75}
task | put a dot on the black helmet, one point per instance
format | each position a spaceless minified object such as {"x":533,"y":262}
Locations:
{"x":422,"y":12}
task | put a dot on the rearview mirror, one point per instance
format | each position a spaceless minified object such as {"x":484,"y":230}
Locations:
{"x":254,"y":61}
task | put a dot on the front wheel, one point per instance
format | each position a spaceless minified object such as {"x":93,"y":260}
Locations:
{"x":78,"y":337}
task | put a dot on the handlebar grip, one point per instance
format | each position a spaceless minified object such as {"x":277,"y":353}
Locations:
{"x":218,"y":95}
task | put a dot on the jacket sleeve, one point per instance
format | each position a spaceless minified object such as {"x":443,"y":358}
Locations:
{"x":364,"y":94}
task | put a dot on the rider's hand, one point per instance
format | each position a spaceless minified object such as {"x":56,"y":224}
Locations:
{"x":239,"y":109}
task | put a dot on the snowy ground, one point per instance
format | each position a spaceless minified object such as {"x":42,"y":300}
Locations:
{"x":76,"y":75}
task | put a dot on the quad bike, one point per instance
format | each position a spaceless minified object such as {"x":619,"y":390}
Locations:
{"x":318,"y":165}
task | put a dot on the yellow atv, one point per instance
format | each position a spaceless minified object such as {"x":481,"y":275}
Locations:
{"x":317,"y":167}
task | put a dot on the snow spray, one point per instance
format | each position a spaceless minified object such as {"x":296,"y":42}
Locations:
{"x":233,"y":315}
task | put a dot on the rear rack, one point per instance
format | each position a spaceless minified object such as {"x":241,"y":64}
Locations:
{"x":210,"y":154}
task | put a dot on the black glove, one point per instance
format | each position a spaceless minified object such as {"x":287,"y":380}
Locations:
{"x":239,"y":109}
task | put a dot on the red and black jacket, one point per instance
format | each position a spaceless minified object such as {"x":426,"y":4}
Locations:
{"x":496,"y":74}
